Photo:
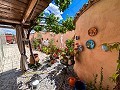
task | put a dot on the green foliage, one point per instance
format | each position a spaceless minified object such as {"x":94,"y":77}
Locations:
{"x":112,"y":46}
{"x":101,"y":80}
{"x":62,"y":4}
{"x":51,"y":42}
{"x":35,"y":43}
{"x":70,"y":47}
{"x":93,"y":85}
{"x":51,"y":20}
{"x":68,"y":24}
{"x":70,"y":43}
{"x":114,"y":77}
{"x":38,"y":28}
{"x":52,"y":24}
{"x":39,"y":36}
{"x":51,"y":49}
{"x":45,"y":49}
{"x":116,"y":46}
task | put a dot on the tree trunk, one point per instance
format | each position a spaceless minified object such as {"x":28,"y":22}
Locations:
{"x":30,"y":47}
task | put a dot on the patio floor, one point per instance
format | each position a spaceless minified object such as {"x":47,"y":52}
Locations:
{"x":50,"y":78}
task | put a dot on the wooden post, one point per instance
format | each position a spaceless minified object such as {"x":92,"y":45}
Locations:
{"x":30,"y":47}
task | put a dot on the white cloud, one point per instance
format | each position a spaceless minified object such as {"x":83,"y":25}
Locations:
{"x":54,"y":9}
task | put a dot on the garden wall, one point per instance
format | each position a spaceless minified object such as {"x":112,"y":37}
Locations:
{"x":105,"y":16}
{"x":58,"y":38}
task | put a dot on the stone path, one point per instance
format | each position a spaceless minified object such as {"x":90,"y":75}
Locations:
{"x":10,"y":67}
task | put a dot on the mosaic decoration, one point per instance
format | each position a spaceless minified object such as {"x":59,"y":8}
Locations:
{"x":90,"y":44}
{"x":92,"y":31}
{"x":77,"y":37}
{"x":105,"y":48}
{"x":80,"y":48}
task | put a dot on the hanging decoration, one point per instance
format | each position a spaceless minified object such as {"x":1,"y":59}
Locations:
{"x":105,"y":48}
{"x":80,"y":48}
{"x":90,"y":44}
{"x":92,"y":31}
{"x":77,"y":37}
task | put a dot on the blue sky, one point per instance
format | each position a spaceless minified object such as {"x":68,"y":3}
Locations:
{"x":73,"y":8}
{"x":71,"y":11}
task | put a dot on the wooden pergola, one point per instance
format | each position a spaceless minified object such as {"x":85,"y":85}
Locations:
{"x":21,"y":15}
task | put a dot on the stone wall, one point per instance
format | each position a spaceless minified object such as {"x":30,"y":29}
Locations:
{"x":105,"y":16}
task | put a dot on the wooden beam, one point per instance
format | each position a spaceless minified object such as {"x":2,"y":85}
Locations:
{"x":8,"y":22}
{"x":29,"y":10}
{"x":12,"y":22}
{"x":4,"y":26}
{"x":10,"y":5}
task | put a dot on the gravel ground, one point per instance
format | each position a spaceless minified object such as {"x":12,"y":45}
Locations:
{"x":51,"y":77}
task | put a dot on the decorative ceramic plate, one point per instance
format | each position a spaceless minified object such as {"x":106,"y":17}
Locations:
{"x":92,"y":31}
{"x":90,"y":44}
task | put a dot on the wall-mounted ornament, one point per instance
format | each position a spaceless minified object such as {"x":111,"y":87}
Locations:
{"x":80,"y":48}
{"x":92,"y":31}
{"x":77,"y":37}
{"x":105,"y":48}
{"x":90,"y":44}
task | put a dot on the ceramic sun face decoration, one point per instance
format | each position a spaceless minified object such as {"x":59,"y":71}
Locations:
{"x":92,"y":31}
{"x":90,"y":44}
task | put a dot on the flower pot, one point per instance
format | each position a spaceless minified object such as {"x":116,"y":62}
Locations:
{"x":32,"y":60}
{"x":71,"y":81}
{"x":36,"y":58}
{"x":79,"y":86}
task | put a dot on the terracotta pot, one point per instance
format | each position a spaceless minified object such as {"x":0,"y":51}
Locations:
{"x":52,"y":61}
{"x":31,"y":60}
{"x":71,"y":81}
{"x":37,"y":59}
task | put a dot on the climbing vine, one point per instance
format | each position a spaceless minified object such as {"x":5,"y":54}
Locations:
{"x":115,"y":77}
{"x":62,"y":4}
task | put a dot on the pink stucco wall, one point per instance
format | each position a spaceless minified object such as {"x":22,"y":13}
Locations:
{"x":56,"y":37}
{"x":105,"y":16}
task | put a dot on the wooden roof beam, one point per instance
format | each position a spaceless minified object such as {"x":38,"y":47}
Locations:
{"x":6,"y":26}
{"x":11,"y":22}
{"x":29,"y":10}
{"x":8,"y":22}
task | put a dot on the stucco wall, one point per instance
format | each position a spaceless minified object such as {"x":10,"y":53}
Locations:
{"x":105,"y":16}
{"x":57,"y":37}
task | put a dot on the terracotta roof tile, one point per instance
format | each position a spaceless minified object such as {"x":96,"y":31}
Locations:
{"x":84,"y":8}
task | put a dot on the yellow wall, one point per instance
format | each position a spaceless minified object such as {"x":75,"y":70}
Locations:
{"x":105,"y":16}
